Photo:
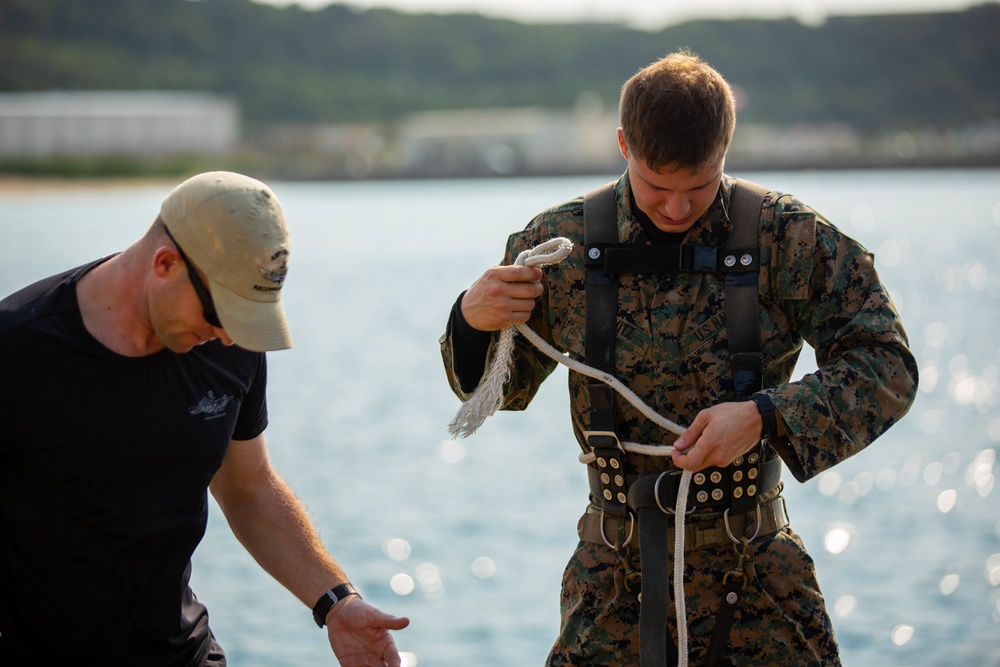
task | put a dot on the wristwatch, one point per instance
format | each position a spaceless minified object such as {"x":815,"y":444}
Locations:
{"x":330,"y":598}
{"x":769,"y":427}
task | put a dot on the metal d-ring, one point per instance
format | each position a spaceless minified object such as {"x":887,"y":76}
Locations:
{"x":725,"y":522}
{"x":631,"y":530}
{"x":656,"y":494}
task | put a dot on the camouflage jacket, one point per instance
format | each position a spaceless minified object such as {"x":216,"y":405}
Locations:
{"x":815,"y":285}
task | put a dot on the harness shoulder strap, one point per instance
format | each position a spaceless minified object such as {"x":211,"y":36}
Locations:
{"x":601,"y":227}
{"x":742,"y":302}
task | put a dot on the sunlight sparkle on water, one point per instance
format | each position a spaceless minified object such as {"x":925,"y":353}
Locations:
{"x":829,"y":482}
{"x":979,"y":474}
{"x":838,"y":537}
{"x":976,"y":274}
{"x":946,"y":500}
{"x":932,"y":473}
{"x":429,"y":579}
{"x":928,"y":379}
{"x":452,"y":451}
{"x":901,"y":634}
{"x":396,"y":548}
{"x":402,"y":584}
{"x":949,"y":583}
{"x":844,"y":605}
{"x":993,"y":570}
{"x":407,"y":659}
{"x":931,"y":420}
{"x":483,"y":567}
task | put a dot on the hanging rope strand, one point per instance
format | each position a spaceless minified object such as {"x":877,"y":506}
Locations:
{"x":488,"y":397}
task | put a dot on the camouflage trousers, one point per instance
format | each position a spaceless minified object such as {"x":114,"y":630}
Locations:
{"x":781,"y":620}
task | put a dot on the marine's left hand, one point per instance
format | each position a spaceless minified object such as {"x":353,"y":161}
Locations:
{"x":718,"y":436}
{"x":359,"y":635}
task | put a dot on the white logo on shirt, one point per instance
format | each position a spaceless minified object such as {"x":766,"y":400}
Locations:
{"x":211,"y":406}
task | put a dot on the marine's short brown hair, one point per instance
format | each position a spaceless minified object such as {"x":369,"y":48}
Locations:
{"x":677,"y":112}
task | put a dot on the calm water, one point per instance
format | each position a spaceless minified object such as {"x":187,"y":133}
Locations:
{"x":467,"y":539}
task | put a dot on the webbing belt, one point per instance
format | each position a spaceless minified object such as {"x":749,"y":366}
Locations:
{"x":700,"y":532}
{"x":712,"y":489}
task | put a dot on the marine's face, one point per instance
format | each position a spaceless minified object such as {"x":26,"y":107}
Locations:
{"x":673,"y":199}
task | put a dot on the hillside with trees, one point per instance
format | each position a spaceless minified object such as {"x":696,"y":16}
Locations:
{"x":290,"y":65}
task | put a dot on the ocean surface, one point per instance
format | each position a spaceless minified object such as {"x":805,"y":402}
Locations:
{"x":469,"y":538}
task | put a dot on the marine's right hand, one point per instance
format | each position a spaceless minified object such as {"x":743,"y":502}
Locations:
{"x":502,"y":296}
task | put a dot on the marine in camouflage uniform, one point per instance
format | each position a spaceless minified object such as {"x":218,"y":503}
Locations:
{"x":815,"y":284}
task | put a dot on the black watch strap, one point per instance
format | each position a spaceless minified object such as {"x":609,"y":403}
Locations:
{"x":765,"y":406}
{"x":330,"y":598}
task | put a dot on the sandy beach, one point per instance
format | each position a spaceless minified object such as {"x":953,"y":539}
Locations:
{"x":29,"y":184}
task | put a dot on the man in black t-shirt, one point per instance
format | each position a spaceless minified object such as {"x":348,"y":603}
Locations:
{"x":123,"y":399}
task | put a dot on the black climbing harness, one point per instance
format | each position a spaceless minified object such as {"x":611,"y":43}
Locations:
{"x":648,"y":500}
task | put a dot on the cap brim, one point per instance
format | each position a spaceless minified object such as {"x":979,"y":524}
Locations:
{"x":258,"y":326}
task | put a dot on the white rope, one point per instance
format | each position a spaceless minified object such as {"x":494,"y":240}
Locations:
{"x":488,"y":396}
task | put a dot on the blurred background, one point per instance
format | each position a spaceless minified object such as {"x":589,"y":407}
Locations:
{"x":405,"y":88}
{"x":406,"y":139}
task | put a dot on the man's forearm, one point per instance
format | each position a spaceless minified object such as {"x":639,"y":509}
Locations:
{"x":272,"y":525}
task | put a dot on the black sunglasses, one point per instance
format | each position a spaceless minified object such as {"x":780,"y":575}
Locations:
{"x":207,"y":305}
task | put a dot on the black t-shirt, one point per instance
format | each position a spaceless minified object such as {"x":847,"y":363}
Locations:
{"x":104,"y":465}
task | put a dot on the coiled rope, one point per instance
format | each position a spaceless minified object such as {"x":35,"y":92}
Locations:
{"x":488,"y":397}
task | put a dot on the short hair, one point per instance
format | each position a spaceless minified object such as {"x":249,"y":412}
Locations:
{"x":677,"y":112}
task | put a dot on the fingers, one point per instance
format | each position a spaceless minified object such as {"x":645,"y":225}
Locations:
{"x":394,"y":622}
{"x":717,"y":436}
{"x":360,"y":636}
{"x":502,"y":296}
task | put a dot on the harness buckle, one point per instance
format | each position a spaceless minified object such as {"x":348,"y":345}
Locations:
{"x":631,"y":532}
{"x":656,"y":493}
{"x":725,"y":522}
{"x":602,"y":439}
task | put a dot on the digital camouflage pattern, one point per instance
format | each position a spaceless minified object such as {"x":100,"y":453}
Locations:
{"x":781,"y":619}
{"x":815,"y":285}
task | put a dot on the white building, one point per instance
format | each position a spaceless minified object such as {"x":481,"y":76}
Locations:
{"x":508,"y":141}
{"x":144,"y":124}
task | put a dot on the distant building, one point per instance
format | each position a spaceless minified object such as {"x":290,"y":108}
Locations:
{"x":144,"y":124}
{"x":508,"y":141}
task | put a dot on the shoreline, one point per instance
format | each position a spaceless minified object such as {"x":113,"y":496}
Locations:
{"x":34,"y":184}
{"x":31,"y":184}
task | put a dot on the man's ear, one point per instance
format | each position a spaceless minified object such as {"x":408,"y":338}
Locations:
{"x":622,"y":146}
{"x":166,"y":260}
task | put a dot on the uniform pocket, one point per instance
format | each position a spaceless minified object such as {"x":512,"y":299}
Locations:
{"x":630,"y":340}
{"x":705,"y":365}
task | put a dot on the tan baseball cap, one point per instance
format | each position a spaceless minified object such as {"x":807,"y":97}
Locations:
{"x":232,"y":227}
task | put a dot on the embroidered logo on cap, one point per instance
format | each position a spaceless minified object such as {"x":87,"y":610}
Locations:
{"x":274,"y":275}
